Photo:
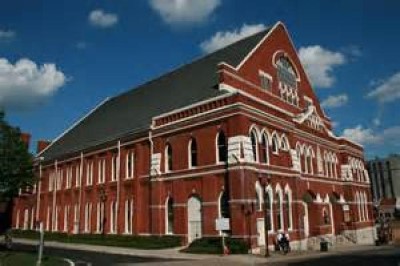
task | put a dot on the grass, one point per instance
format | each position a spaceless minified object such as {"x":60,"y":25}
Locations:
{"x":138,"y":242}
{"x":12,"y":258}
{"x":213,"y":245}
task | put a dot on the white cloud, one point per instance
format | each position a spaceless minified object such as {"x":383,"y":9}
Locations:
{"x":7,"y":35}
{"x":366,"y":136}
{"x":376,"y":122}
{"x":319,"y":64}
{"x":101,"y":19}
{"x":26,"y":84}
{"x":184,"y":11}
{"x":360,"y":135}
{"x":224,"y":38}
{"x":334,"y":101}
{"x":388,"y":90}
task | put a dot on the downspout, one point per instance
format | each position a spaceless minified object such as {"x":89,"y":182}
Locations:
{"x":54,"y":197}
{"x":150,"y":187}
{"x":118,"y":166}
{"x":38,"y":190}
{"x":78,"y":218}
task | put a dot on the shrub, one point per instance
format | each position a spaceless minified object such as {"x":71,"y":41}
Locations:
{"x":139,"y":242}
{"x":213,"y":245}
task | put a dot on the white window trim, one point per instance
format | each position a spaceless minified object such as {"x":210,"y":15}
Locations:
{"x":129,"y":156}
{"x":167,"y":232}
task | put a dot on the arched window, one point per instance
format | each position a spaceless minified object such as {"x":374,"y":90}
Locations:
{"x":279,"y":212}
{"x":275,"y":144}
{"x":264,"y":149}
{"x":299,"y":153}
{"x":253,"y":138}
{"x":169,"y":216}
{"x":268,"y":208}
{"x":286,"y":72}
{"x":221,"y":148}
{"x":288,"y":200}
{"x":168,"y":158}
{"x":192,"y":153}
{"x":284,"y":143}
{"x":325,"y":217}
{"x":259,"y":195}
{"x":223,"y":205}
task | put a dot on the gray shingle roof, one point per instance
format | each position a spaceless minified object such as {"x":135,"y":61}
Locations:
{"x":133,"y":110}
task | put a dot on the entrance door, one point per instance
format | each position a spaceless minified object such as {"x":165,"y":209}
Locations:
{"x":194,"y":219}
{"x":260,"y":232}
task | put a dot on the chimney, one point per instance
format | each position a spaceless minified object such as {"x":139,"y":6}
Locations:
{"x":41,"y":145}
{"x":26,"y":138}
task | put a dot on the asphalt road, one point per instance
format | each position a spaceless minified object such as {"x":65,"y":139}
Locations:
{"x":88,"y":257}
{"x":386,"y":257}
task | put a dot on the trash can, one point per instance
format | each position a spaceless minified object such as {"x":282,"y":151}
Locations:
{"x":323,"y":245}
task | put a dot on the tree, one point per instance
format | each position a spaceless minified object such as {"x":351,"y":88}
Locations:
{"x":16,"y":168}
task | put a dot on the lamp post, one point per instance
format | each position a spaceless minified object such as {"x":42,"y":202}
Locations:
{"x":103,"y":199}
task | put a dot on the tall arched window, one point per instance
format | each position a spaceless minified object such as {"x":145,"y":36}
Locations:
{"x":253,"y":138}
{"x":192,"y":153}
{"x":223,"y":205}
{"x":279,"y":210}
{"x":264,"y":149}
{"x":169,"y":216}
{"x":275,"y":144}
{"x":268,"y":208}
{"x":288,"y":199}
{"x":259,"y":195}
{"x":221,"y":147}
{"x":168,"y":158}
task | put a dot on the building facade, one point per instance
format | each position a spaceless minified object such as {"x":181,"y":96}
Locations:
{"x":237,"y":134}
{"x":385,"y":183}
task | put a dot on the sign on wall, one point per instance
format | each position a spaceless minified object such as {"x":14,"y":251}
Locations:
{"x":222,"y":224}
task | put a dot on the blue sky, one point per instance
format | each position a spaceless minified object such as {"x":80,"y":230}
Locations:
{"x":59,"y":59}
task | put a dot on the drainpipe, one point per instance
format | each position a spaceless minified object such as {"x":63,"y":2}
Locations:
{"x":78,"y":218}
{"x":54,"y":197}
{"x":118,"y":166}
{"x":150,"y":187}
{"x":38,"y":190}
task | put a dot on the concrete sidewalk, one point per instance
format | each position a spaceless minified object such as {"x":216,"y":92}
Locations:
{"x":172,"y":253}
{"x":208,"y":260}
{"x":275,"y":258}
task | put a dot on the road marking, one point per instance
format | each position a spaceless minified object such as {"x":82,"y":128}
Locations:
{"x":70,"y":262}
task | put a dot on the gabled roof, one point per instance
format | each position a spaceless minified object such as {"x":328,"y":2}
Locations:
{"x":133,"y":110}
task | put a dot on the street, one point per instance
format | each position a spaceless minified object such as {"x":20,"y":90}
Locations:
{"x":381,"y":257}
{"x":80,"y":257}
{"x":373,"y":256}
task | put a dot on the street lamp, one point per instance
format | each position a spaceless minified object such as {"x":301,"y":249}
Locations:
{"x":103,"y":199}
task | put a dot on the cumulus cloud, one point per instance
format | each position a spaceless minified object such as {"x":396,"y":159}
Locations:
{"x":26,"y":84}
{"x":360,"y":135}
{"x":7,"y":35}
{"x":184,"y":11}
{"x":100,"y":18}
{"x":366,"y":136}
{"x":224,"y":38}
{"x":319,"y":64}
{"x":388,"y":90}
{"x":334,"y":101}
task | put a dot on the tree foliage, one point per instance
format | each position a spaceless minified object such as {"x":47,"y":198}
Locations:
{"x":16,"y":170}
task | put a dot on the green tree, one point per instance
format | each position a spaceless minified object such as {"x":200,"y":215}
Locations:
{"x":16,"y":170}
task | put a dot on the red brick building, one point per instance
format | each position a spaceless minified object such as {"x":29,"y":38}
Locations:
{"x":238,"y":133}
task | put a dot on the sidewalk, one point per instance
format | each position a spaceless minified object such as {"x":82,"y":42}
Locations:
{"x":155,"y":253}
{"x":208,"y":260}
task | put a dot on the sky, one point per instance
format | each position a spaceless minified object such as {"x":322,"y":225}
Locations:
{"x":59,"y":59}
